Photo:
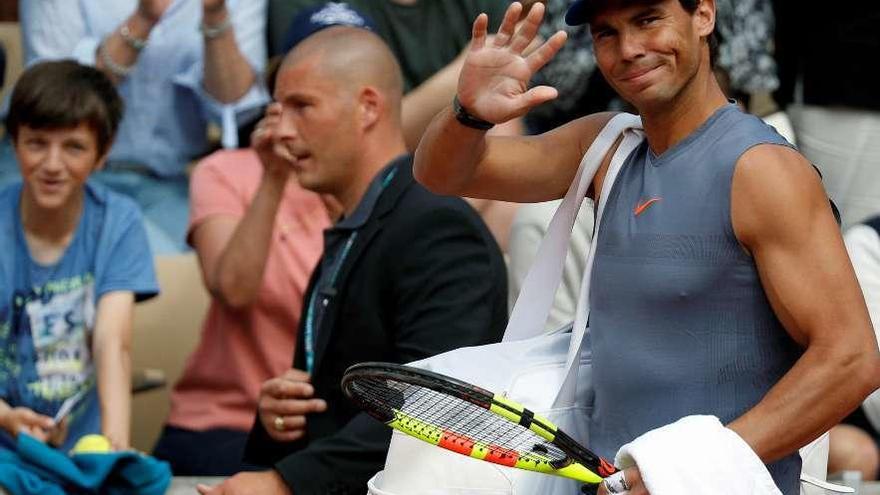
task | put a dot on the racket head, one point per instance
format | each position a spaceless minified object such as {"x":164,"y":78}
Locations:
{"x":469,"y":420}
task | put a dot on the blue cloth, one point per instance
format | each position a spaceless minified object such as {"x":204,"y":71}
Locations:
{"x":47,"y":313}
{"x":680,"y":321}
{"x":35,"y":468}
{"x":166,"y":106}
{"x":164,"y":203}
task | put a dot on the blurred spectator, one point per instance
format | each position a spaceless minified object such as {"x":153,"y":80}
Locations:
{"x":835,"y":104}
{"x":405,"y":274}
{"x":745,"y":47}
{"x":529,"y":228}
{"x":74,"y":262}
{"x":178,"y":65}
{"x":428,"y":38}
{"x":854,"y":444}
{"x":258,"y":235}
{"x":745,"y":65}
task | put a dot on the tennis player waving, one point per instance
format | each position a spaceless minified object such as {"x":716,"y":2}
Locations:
{"x":721,"y":283}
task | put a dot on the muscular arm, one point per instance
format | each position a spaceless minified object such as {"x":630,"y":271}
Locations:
{"x":454,"y":159}
{"x":421,"y":104}
{"x":781,"y":216}
{"x":112,"y":352}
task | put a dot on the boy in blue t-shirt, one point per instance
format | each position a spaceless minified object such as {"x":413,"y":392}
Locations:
{"x":73,"y":262}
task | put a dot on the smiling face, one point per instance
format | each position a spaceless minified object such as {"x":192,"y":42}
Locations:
{"x":55,"y":163}
{"x":651,"y":52}
{"x":318,"y":124}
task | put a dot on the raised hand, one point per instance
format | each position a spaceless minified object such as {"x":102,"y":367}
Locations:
{"x":275,"y":157}
{"x":152,"y":10}
{"x":493,"y":84}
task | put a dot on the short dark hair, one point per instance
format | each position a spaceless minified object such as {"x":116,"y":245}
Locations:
{"x":63,"y":94}
{"x":691,"y":6}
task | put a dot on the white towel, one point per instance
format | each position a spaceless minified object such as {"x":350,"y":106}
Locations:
{"x":697,"y":455}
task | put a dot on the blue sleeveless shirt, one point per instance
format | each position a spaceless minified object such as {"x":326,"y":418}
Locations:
{"x":680,"y":322}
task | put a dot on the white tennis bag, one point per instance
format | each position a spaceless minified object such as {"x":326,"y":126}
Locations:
{"x":538,"y":370}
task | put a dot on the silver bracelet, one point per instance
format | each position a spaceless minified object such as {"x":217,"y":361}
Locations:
{"x":217,"y":30}
{"x":136,"y":44}
{"x":117,"y":70}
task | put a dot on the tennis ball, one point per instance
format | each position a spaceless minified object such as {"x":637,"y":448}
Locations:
{"x":92,"y":444}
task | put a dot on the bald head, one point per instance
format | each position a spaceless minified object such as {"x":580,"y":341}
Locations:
{"x":352,"y":58}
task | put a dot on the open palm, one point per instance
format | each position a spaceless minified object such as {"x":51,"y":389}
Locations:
{"x":493,"y":84}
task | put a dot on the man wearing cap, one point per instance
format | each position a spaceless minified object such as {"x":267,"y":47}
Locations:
{"x":722,"y":286}
{"x":405,"y":274}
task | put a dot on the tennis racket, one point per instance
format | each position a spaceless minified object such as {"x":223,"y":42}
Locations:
{"x":469,"y":420}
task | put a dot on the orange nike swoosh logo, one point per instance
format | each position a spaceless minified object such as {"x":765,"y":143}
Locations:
{"x":641,"y":207}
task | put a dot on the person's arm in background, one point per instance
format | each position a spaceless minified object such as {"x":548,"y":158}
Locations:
{"x":116,"y":50}
{"x":55,"y":29}
{"x":124,"y":275}
{"x":225,"y":80}
{"x":232,"y":248}
{"x":228,"y":73}
{"x":111,"y":349}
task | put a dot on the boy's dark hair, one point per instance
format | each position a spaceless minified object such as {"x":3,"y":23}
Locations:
{"x":63,"y":94}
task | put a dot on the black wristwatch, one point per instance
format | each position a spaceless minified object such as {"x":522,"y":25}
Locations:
{"x":468,"y":120}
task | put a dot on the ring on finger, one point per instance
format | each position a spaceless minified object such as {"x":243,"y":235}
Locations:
{"x":279,"y":423}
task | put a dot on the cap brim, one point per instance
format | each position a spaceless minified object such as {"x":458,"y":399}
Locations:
{"x":578,"y":13}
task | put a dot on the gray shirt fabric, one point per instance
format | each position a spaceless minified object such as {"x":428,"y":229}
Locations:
{"x":679,"y":319}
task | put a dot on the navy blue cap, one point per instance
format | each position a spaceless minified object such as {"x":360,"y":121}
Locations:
{"x":578,"y":13}
{"x":310,"y":21}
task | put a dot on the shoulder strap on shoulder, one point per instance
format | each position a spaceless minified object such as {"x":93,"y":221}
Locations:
{"x":539,"y":286}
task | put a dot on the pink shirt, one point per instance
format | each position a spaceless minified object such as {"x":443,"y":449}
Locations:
{"x":240,"y":349}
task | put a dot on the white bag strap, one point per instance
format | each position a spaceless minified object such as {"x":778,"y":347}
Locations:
{"x":632,"y":137}
{"x":539,"y":286}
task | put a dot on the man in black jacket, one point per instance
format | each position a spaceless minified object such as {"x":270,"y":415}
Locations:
{"x":405,"y":273}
